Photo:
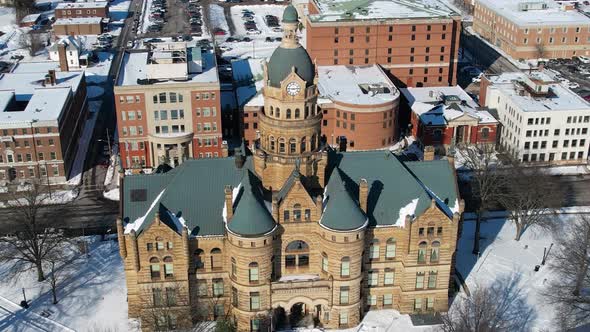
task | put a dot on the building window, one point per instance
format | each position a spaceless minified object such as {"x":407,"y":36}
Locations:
{"x":325,"y":264}
{"x":417,"y":304}
{"x":374,"y":250}
{"x":345,"y":267}
{"x":168,"y":267}
{"x":387,"y":300}
{"x":255,"y":325}
{"x":216,"y":257}
{"x":390,"y":248}
{"x":155,"y":268}
{"x":373,"y":279}
{"x":254,"y":301}
{"x":420,"y":280}
{"x":234,"y":267}
{"x":217,"y":287}
{"x":422,"y":252}
{"x":198,"y":259}
{"x":253,"y":272}
{"x":432,"y":279}
{"x":344,"y":295}
{"x":389,"y":277}
{"x":343,"y":319}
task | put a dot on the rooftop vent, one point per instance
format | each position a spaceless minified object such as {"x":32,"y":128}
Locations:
{"x":138,"y":195}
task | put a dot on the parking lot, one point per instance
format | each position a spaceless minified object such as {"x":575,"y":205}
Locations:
{"x":574,"y":73}
{"x":173,"y":18}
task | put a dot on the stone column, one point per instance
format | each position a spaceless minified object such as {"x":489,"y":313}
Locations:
{"x":180,"y":153}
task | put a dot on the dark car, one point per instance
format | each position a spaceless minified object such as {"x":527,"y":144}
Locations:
{"x":187,"y":37}
{"x":268,"y":39}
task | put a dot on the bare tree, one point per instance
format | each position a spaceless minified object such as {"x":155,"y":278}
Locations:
{"x":540,"y":50}
{"x":57,"y":261}
{"x":499,"y":307}
{"x":529,"y":196}
{"x":24,"y":8}
{"x":486,"y":181}
{"x":570,"y":288}
{"x":33,"y":242}
{"x":32,"y":42}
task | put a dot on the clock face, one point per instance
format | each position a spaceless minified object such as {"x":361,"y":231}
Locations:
{"x":293,"y":89}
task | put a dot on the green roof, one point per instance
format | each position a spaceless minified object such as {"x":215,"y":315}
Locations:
{"x":290,"y":15}
{"x":342,"y":213}
{"x":251,"y":217}
{"x":283,"y":59}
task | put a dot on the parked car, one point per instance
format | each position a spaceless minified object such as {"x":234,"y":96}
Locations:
{"x":253,"y":32}
{"x":268,"y":39}
{"x":583,"y":59}
{"x":573,"y":85}
{"x":277,"y":29}
{"x":246,"y":39}
{"x":219,"y":32}
{"x":225,"y":48}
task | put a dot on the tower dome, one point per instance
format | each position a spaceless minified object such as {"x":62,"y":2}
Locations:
{"x":290,"y":54}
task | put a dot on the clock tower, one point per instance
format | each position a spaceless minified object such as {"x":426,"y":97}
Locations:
{"x":290,"y":124}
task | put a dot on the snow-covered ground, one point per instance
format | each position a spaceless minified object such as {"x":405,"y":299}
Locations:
{"x":217,"y":18}
{"x":56,"y":197}
{"x":83,"y":142}
{"x":118,"y":9}
{"x":92,"y":295}
{"x":502,"y":258}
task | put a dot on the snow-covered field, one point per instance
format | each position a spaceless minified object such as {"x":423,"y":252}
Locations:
{"x":502,"y":258}
{"x":92,"y":295}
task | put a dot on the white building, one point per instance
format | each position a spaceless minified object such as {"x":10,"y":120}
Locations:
{"x":542,"y":120}
{"x":71,"y":52}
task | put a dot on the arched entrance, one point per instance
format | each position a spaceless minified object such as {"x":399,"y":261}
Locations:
{"x":300,"y":312}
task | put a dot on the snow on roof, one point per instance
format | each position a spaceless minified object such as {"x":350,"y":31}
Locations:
{"x":429,"y":103}
{"x":78,"y":20}
{"x":30,"y":18}
{"x":359,"y":85}
{"x":44,"y":103}
{"x":69,"y":41}
{"x":552,"y":14}
{"x":350,"y":10}
{"x":82,"y":5}
{"x":299,"y":277}
{"x":136,"y":224}
{"x":134,"y":67}
{"x":560,"y":97}
{"x":408,"y":210}
{"x":35,"y":67}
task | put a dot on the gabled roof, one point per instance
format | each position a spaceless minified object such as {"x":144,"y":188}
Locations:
{"x":396,"y":187}
{"x":251,"y":217}
{"x":342,"y":212}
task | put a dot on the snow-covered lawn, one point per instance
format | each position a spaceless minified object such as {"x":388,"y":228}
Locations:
{"x":503,"y":258}
{"x":92,"y":295}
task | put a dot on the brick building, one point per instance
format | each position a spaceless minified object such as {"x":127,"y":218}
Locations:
{"x":295,"y":230}
{"x":532,"y":30}
{"x":41,"y":119}
{"x":82,"y":9}
{"x":416,"y":41}
{"x":79,"y":26}
{"x":446,"y":116}
{"x":359,"y":113}
{"x":168,"y":105}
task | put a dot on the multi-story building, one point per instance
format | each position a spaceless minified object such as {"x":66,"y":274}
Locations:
{"x":42,"y":115}
{"x":79,"y":26}
{"x":416,"y":41}
{"x":359,"y":111}
{"x":542,"y":120}
{"x":82,"y":9}
{"x":294,"y":230}
{"x":168,"y":107}
{"x":533,"y":29}
{"x":446,"y":116}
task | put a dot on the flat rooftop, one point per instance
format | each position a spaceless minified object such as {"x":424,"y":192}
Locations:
{"x":553,"y":14}
{"x":354,"y":10}
{"x":82,"y":5}
{"x":560,"y":97}
{"x":134,"y":67}
{"x":358,"y":85}
{"x":78,"y":20}
{"x":44,"y":102}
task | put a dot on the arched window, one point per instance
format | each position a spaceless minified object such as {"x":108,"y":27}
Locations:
{"x":282,"y":145}
{"x":278,"y":112}
{"x":297,"y":113}
{"x":288,"y":113}
{"x":390,"y":248}
{"x":272,"y":111}
{"x":422,"y":252}
{"x":155,"y":268}
{"x":374,"y":249}
{"x":345,"y":267}
{"x":297,"y":212}
{"x":234,"y":267}
{"x":297,"y":254}
{"x":434,"y":251}
{"x":253,"y":272}
{"x":198,"y":258}
{"x":168,"y":267}
{"x":271,"y":141}
{"x":313,"y":142}
{"x":302,"y":145}
{"x":216,"y":258}
{"x":325,"y":263}
{"x":292,"y":146}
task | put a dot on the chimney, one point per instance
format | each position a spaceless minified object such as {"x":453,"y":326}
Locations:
{"x":121,"y":238}
{"x":319,"y":203}
{"x":363,"y":194}
{"x":135,"y":250}
{"x":275,"y":208}
{"x":429,"y":153}
{"x":52,"y":77}
{"x":240,"y":158}
{"x":229,"y":207}
{"x":224,"y":149}
{"x":63,"y":58}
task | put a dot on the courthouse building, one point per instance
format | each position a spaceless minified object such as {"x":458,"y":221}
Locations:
{"x":293,"y":230}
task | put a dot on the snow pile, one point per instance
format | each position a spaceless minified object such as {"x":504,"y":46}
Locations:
{"x":234,"y":194}
{"x":112,"y":194}
{"x":136,"y":224}
{"x":409,"y":209}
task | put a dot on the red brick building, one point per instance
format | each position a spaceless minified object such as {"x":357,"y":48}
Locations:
{"x":168,"y":106}
{"x":82,"y":9}
{"x":358,"y":113}
{"x":79,"y":26}
{"x":41,"y":119}
{"x":416,"y":42}
{"x":445,"y":116}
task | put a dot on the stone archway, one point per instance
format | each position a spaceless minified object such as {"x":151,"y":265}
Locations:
{"x":299,"y":311}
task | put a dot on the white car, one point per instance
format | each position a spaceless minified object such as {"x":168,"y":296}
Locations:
{"x":225,"y":48}
{"x":277,"y":29}
{"x":477,"y":79}
{"x":253,"y":32}
{"x":130,"y":44}
{"x":573,"y":85}
{"x":583,"y":59}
